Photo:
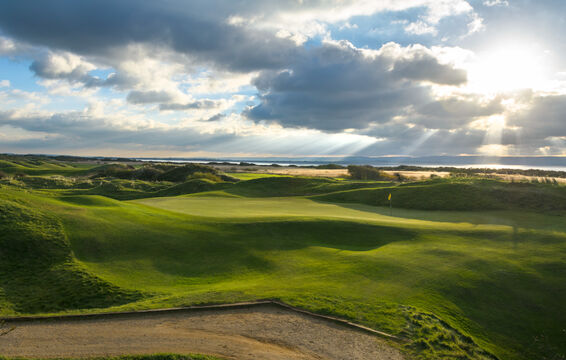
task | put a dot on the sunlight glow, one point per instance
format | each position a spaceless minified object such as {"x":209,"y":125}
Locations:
{"x":507,"y":68}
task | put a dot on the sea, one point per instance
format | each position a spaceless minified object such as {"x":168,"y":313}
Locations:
{"x":549,"y":163}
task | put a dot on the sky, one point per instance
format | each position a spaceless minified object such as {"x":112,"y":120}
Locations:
{"x":296,"y":78}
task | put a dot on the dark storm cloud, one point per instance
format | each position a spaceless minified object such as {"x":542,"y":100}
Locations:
{"x":419,"y":141}
{"x":424,"y":67}
{"x":544,"y":117}
{"x":90,"y":27}
{"x":339,"y":87}
{"x":454,"y":112}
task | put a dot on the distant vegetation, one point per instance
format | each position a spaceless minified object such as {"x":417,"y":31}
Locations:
{"x":160,"y":172}
{"x":457,"y":171}
{"x":368,"y":172}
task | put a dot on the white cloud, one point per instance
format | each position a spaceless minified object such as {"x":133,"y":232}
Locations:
{"x":4,"y":83}
{"x":496,"y":3}
{"x":420,"y":28}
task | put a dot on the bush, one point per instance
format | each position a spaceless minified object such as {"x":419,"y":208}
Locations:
{"x":3,"y":175}
{"x":368,"y":172}
{"x":330,"y":166}
{"x":205,"y":175}
{"x":182,"y":173}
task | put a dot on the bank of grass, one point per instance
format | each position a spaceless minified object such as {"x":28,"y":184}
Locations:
{"x":17,"y":165}
{"x":451,"y":283}
{"x":136,"y":357}
{"x":250,"y":176}
{"x":459,"y":194}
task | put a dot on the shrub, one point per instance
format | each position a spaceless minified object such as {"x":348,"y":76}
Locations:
{"x":181,"y":173}
{"x":205,"y":175}
{"x":330,"y":166}
{"x":368,"y":172}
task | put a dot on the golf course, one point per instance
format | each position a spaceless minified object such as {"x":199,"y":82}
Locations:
{"x":453,"y":268}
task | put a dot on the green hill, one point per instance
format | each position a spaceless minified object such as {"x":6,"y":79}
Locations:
{"x":38,"y":272}
{"x":459,"y":195}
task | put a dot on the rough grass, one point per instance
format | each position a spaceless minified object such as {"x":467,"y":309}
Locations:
{"x":250,"y":176}
{"x":31,"y":166}
{"x":455,"y":284}
{"x":464,"y":194}
{"x":37,"y":270}
{"x":295,"y":186}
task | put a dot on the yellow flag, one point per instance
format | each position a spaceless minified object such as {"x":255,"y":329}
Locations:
{"x":389,"y":197}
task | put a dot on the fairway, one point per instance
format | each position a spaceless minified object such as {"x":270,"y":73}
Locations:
{"x":219,"y":206}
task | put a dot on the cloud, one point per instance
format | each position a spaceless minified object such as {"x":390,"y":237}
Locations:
{"x":541,"y":118}
{"x":4,"y":83}
{"x":342,"y":87}
{"x":9,"y":47}
{"x":112,"y":25}
{"x":96,"y":134}
{"x":420,"y":28}
{"x":186,"y":63}
{"x":199,"y":104}
{"x":149,"y":97}
{"x":64,"y":66}
{"x":496,"y":3}
{"x":453,"y":112}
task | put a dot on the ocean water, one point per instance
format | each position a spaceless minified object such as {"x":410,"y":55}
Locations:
{"x":520,"y":163}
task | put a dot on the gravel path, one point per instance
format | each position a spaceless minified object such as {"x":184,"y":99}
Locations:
{"x":264,"y":332}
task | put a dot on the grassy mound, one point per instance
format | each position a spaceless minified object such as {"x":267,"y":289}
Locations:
{"x":37,"y":270}
{"x":295,"y":186}
{"x":190,"y":187}
{"x":35,"y":165}
{"x":459,"y":195}
{"x":160,"y":172}
{"x":90,"y":200}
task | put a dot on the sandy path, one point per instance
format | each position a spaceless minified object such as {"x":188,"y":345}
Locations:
{"x":264,"y":332}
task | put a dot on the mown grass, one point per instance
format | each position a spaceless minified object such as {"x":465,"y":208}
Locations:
{"x":453,"y":283}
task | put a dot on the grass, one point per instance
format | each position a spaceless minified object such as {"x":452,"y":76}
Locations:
{"x":250,"y":176}
{"x":457,"y":285}
{"x":463,"y":194}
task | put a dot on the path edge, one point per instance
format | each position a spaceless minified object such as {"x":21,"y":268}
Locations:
{"x":196,"y":308}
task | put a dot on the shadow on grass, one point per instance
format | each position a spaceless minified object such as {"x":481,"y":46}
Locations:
{"x":37,"y":270}
{"x":517,"y":220}
{"x":228,"y":248}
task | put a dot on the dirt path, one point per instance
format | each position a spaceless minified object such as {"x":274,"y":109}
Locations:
{"x":263,"y":332}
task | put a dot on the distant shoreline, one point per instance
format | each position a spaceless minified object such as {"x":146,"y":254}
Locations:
{"x":345,"y":163}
